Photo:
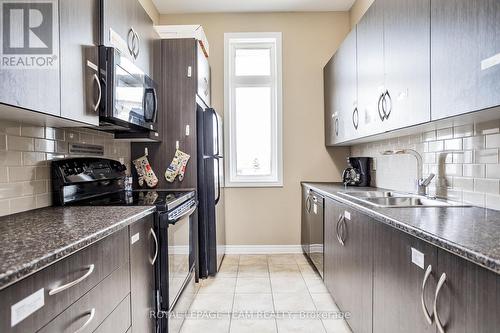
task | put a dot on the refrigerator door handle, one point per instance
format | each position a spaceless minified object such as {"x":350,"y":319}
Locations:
{"x":217,"y":152}
{"x":218,"y":181}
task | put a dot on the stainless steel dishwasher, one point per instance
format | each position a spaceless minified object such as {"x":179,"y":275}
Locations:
{"x":312,"y":233}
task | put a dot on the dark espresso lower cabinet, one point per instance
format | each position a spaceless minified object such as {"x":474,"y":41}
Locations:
{"x":348,"y":263}
{"x":397,"y":281}
{"x":143,"y":256}
{"x":469,"y":298}
{"x":392,"y":282}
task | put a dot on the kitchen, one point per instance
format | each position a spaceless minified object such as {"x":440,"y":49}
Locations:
{"x":135,"y":195}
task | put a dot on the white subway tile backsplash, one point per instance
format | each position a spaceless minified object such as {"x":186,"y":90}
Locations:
{"x":493,"y":171}
{"x":489,"y":156}
{"x":474,"y":170}
{"x":489,"y":127}
{"x":464,"y":184}
{"x":474,"y":198}
{"x":47,"y":146}
{"x":483,"y":185}
{"x":24,"y":173}
{"x":33,"y":131}
{"x":444,"y":133}
{"x":25,"y":154}
{"x":435,"y":146}
{"x":474,"y":142}
{"x":453,"y":144}
{"x":462,"y":131}
{"x":465,"y":158}
{"x":20,"y":143}
{"x":493,"y":141}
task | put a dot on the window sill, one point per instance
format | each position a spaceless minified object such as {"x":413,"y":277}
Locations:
{"x":254,"y":185}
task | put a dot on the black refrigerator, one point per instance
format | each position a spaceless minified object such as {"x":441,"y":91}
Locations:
{"x":211,"y":224}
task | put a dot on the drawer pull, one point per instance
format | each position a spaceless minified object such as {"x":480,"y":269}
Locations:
{"x":73,"y":283}
{"x":156,"y":247}
{"x":427,"y":316}
{"x":87,"y":323}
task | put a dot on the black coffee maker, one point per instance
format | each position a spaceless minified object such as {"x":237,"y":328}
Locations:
{"x":358,"y":172}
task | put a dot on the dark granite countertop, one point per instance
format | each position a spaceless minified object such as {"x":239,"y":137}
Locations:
{"x":32,"y":240}
{"x":470,"y":232}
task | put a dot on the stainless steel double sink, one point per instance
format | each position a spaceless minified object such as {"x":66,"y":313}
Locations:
{"x":388,"y":199}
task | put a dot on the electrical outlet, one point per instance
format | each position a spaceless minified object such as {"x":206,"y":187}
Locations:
{"x":374,"y":164}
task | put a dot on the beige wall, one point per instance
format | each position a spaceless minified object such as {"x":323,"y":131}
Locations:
{"x":358,"y":10}
{"x":151,"y":10}
{"x":271,"y":216}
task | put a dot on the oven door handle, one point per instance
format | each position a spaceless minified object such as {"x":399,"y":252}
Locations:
{"x":187,"y":213}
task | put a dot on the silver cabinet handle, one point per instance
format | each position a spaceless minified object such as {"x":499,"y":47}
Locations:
{"x":308,"y":203}
{"x":424,"y":308}
{"x":337,"y":126}
{"x":130,"y":41}
{"x":380,"y":107}
{"x":73,"y":283}
{"x":440,"y":284}
{"x":95,"y":78}
{"x":87,"y":323}
{"x":156,"y":246}
{"x":387,"y":99}
{"x":136,"y":45}
{"x":355,"y":118}
{"x":341,"y":218}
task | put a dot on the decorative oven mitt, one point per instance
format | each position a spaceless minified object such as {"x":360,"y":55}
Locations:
{"x":145,"y":172}
{"x":177,"y":167}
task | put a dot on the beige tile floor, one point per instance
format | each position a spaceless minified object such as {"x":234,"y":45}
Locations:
{"x":263,"y":294}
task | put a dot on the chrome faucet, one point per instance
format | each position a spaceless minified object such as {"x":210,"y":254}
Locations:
{"x":422,"y":183}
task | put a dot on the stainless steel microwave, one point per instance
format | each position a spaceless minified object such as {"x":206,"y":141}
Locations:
{"x":128,"y":96}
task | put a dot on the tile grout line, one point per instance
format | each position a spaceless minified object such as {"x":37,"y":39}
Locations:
{"x":234,"y":295}
{"x":272,"y":293}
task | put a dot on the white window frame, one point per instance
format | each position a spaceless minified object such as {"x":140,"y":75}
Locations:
{"x":273,"y":41}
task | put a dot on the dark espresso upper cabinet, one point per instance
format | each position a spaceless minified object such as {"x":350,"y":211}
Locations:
{"x":406,"y":62}
{"x":127,"y":26}
{"x":370,"y":55}
{"x":465,"y":57}
{"x":79,"y":77}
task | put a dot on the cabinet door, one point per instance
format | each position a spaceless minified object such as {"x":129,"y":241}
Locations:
{"x":333,"y":130}
{"x":465,"y":58}
{"x":144,"y":28}
{"x":356,"y":266}
{"x":406,"y":62}
{"x":29,"y":74}
{"x":304,"y":223}
{"x":348,"y":266}
{"x":79,"y":81}
{"x":370,"y":55}
{"x":143,"y":250}
{"x":397,"y":282}
{"x":333,"y":252}
{"x":345,"y":84}
{"x":469,"y":300}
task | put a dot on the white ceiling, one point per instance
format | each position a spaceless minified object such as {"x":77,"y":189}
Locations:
{"x":211,"y":6}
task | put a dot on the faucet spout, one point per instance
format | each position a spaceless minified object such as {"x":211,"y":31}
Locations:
{"x":422,"y":184}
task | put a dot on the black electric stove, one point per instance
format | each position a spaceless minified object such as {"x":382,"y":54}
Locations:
{"x":88,"y":181}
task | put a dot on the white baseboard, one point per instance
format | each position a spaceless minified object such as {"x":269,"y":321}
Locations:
{"x":263,"y":249}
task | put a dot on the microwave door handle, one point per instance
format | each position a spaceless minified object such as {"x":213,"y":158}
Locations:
{"x":218,"y":181}
{"x":153,"y":116}
{"x":155,"y":101}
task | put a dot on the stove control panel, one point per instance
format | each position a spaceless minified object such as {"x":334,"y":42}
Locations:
{"x":75,"y":170}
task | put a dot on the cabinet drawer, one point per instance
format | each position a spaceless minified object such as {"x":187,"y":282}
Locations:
{"x":118,"y":321}
{"x":106,"y":256}
{"x":92,"y":309}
